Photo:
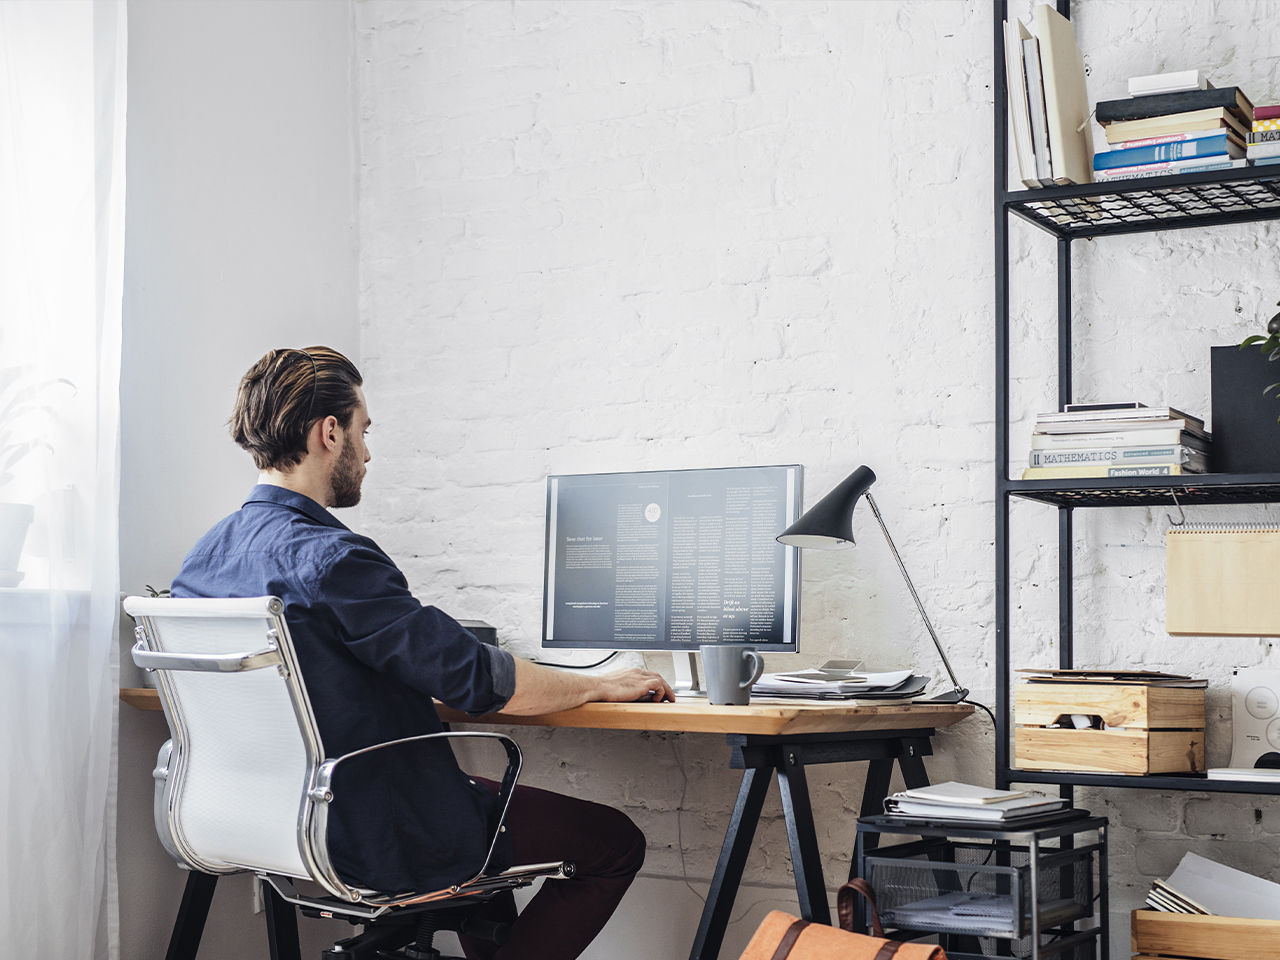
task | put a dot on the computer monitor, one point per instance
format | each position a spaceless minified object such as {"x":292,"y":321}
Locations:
{"x":671,"y":560}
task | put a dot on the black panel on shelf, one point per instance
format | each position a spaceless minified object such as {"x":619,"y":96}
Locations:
{"x":1153,"y":203}
{"x":1167,"y":781}
{"x":1190,"y":490}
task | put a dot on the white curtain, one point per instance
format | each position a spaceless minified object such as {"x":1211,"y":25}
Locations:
{"x":62,"y":106}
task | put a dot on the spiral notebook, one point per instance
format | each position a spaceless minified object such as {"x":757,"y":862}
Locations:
{"x":1221,"y":579}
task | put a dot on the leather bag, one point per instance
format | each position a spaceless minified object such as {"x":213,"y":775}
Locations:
{"x":782,"y":936}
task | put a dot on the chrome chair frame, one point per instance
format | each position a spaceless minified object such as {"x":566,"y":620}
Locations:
{"x":341,"y":899}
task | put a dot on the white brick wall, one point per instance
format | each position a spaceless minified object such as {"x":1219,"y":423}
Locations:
{"x":615,"y":235}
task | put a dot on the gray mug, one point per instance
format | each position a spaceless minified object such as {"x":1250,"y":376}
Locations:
{"x":730,"y":669}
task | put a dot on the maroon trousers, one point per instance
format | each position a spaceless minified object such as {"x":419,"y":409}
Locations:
{"x":565,"y":915}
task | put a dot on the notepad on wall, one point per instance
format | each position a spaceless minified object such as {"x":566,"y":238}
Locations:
{"x":1221,"y":580}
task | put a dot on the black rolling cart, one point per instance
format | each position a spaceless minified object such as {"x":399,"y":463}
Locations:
{"x":1034,"y":890}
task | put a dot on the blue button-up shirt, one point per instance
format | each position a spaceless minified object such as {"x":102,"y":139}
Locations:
{"x":372,"y":659}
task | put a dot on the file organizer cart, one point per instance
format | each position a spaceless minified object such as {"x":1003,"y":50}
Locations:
{"x":1036,"y":891}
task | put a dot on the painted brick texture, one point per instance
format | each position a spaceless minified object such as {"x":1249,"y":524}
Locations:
{"x":647,"y":235}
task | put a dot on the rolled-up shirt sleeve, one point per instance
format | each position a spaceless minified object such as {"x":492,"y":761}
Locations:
{"x":385,"y":627}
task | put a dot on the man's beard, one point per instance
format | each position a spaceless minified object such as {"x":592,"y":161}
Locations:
{"x":348,"y":473}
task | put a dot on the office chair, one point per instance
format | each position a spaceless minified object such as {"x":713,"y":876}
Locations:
{"x":243,"y":785}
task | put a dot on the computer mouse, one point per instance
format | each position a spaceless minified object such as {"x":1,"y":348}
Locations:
{"x":647,"y":698}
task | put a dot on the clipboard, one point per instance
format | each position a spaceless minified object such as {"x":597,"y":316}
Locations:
{"x":1221,"y":580}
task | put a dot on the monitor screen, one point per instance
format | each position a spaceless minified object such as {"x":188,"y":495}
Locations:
{"x":670,"y":560}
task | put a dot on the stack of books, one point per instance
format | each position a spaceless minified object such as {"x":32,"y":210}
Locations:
{"x":1130,"y":439}
{"x":1264,"y":137}
{"x":1048,"y":105}
{"x":1179,"y":123}
{"x":965,"y":801}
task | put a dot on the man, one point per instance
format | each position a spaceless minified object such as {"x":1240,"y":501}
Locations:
{"x":373,"y":658}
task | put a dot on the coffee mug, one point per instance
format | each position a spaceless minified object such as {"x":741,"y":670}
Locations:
{"x":730,"y":669}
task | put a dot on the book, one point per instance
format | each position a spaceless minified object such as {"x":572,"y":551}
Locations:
{"x":1019,"y":117}
{"x":1263,"y":161}
{"x":1263,"y":136}
{"x":1270,"y":112}
{"x":1169,"y":453}
{"x":1174,"y":123}
{"x":1120,"y":438}
{"x":1065,"y":99}
{"x":1262,"y":126}
{"x":1032,"y":804}
{"x":1131,"y":426}
{"x":1036,"y":112}
{"x":1168,"y":83}
{"x":1179,"y":138}
{"x":1104,"y":472}
{"x":1103,"y":405}
{"x":1217,"y":145}
{"x":1259,"y":150}
{"x":1092,"y":413}
{"x":963,"y":793}
{"x":1192,"y":165}
{"x":1158,"y":105}
{"x":1146,"y":678}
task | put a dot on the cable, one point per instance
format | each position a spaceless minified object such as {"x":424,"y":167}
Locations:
{"x":984,"y":707}
{"x":576,"y":666}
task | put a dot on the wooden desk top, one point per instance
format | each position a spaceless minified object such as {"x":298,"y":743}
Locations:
{"x":763,"y":717}
{"x":695,"y":716}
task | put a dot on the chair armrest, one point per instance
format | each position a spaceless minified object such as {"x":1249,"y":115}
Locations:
{"x":205,"y":662}
{"x":322,"y":790}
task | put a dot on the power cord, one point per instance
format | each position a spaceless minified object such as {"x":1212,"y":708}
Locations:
{"x":983,"y":707}
{"x":576,"y":666}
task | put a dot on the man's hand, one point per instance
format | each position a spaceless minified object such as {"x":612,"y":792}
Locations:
{"x":541,"y":689}
{"x":634,"y":684}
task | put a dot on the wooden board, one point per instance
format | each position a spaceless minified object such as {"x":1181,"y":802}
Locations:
{"x":1109,"y":751}
{"x":1143,"y":707}
{"x":1158,"y":934}
{"x":698,"y":716}
{"x":757,"y":718}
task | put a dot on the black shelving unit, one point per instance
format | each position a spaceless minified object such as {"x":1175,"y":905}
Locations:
{"x":1249,"y":194}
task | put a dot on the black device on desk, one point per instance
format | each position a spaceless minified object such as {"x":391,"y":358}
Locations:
{"x":672,"y":560}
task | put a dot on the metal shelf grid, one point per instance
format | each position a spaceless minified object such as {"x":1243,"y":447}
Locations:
{"x":1167,"y":781}
{"x":1186,"y":490}
{"x":1152,"y":203}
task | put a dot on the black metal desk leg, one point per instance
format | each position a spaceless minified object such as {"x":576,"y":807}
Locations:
{"x":811,"y":886}
{"x":873,"y":793}
{"x":282,"y":925}
{"x":911,"y":760}
{"x":733,"y":857}
{"x":192,"y":913}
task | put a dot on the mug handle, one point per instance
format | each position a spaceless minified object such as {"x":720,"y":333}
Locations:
{"x":757,"y":668}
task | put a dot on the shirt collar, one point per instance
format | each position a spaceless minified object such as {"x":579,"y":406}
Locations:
{"x":270,"y":493}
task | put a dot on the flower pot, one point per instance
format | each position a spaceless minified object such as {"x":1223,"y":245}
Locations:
{"x":14,"y":520}
{"x":1246,"y":434}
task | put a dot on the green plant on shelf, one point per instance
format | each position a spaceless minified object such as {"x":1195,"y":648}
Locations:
{"x":1270,"y":345}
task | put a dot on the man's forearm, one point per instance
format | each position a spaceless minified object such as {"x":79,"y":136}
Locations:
{"x":541,"y":689}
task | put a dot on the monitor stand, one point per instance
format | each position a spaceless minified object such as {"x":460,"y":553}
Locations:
{"x":688,"y":677}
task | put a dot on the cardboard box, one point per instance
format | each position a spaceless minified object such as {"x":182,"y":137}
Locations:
{"x":1147,"y":729}
{"x":1156,"y":935}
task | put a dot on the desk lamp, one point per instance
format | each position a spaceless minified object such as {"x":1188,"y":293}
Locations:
{"x":828,"y":525}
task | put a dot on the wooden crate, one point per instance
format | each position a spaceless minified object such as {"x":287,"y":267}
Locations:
{"x":1155,"y":935}
{"x":1162,"y":728}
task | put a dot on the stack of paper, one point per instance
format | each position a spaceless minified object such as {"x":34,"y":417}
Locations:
{"x":1202,"y":886}
{"x":827,"y":683}
{"x":965,"y":801}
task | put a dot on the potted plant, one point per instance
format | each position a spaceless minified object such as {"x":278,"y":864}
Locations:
{"x":23,"y":427}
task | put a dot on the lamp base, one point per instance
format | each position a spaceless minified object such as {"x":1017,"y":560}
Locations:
{"x":957,"y":695}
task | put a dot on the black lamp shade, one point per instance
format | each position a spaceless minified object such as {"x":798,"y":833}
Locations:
{"x":828,"y":524}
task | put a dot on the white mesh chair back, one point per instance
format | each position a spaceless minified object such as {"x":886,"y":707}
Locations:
{"x":245,"y":745}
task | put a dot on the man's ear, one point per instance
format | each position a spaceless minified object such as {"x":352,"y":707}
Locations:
{"x":329,"y":432}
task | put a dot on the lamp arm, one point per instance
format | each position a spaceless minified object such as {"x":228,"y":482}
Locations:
{"x":959,"y":692}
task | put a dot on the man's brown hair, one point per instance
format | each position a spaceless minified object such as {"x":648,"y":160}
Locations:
{"x":283,"y":394}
